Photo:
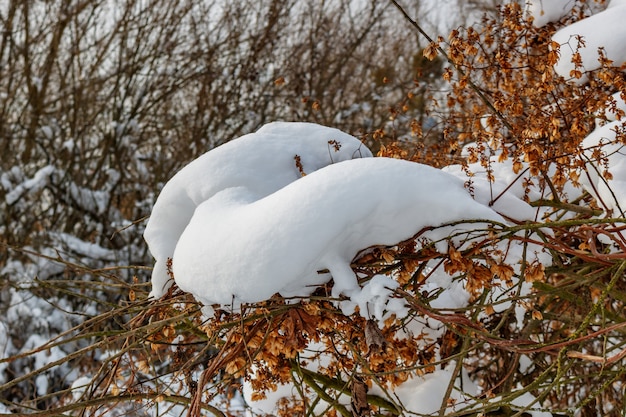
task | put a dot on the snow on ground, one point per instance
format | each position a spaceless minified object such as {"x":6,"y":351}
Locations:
{"x":423,"y":394}
{"x":261,"y":162}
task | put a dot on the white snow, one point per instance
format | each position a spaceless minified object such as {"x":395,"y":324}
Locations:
{"x":423,"y":395}
{"x":95,"y":201}
{"x":613,"y":3}
{"x":42,"y":267}
{"x":79,"y":387}
{"x":376,"y":300}
{"x":546,"y":11}
{"x":602,"y":30}
{"x":34,"y":184}
{"x":504,"y":193}
{"x":51,"y":355}
{"x":602,"y":150}
{"x":260,"y":163}
{"x":526,"y":402}
{"x":5,"y":347}
{"x":82,"y":248}
{"x":241,"y":249}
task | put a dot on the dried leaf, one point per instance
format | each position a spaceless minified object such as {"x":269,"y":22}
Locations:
{"x":374,"y":338}
{"x":299,"y":165}
{"x":449,"y":343}
{"x":360,"y":407}
{"x":430,"y":52}
{"x":336,"y":145}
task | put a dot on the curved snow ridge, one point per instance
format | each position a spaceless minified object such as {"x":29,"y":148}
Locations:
{"x":238,"y":248}
{"x":262,"y":162}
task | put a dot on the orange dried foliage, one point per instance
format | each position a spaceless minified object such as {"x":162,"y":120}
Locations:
{"x":534,"y":272}
{"x":504,"y":95}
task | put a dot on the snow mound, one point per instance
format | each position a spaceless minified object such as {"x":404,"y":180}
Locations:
{"x":239,"y":248}
{"x":262,"y":162}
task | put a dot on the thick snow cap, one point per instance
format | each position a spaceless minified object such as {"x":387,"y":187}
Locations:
{"x":261,"y":162}
{"x":238,"y":248}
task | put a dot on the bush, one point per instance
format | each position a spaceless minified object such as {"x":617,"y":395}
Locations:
{"x":102,"y":102}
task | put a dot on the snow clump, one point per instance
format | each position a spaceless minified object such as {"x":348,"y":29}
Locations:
{"x":261,"y":163}
{"x":239,"y":248}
